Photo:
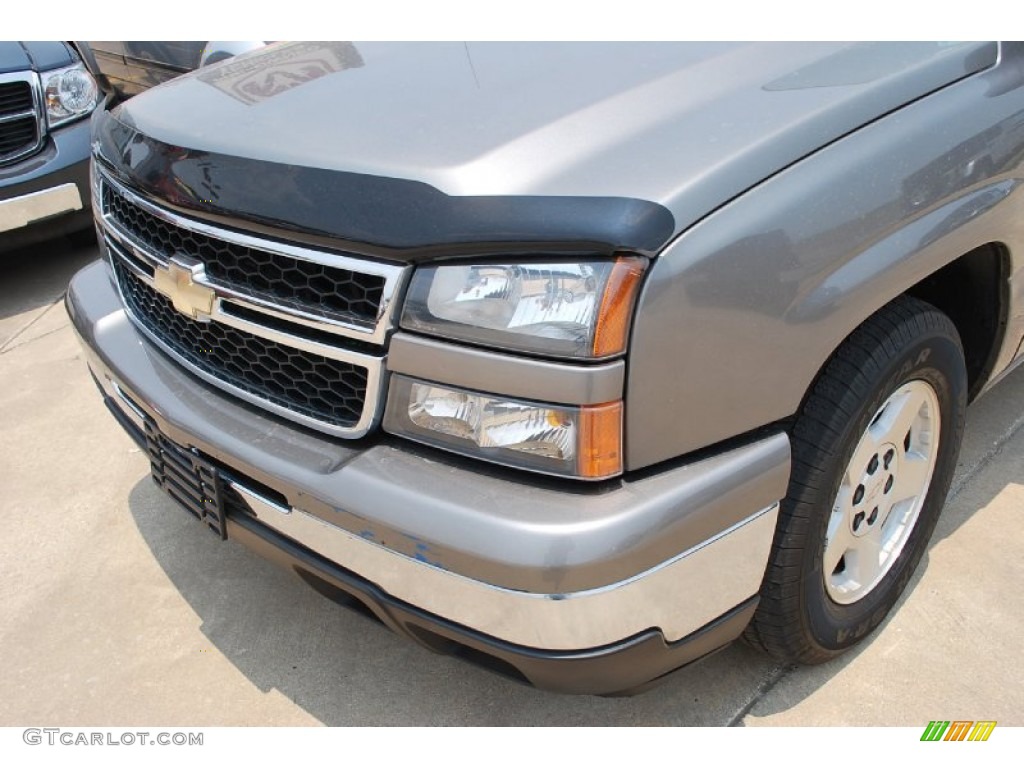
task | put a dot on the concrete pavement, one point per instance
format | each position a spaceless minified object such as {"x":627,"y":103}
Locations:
{"x":119,"y":610}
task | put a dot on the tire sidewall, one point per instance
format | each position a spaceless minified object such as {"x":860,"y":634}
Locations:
{"x":937,"y":360}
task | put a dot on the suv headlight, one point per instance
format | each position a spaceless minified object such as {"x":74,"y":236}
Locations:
{"x":567,"y":309}
{"x":69,"y":93}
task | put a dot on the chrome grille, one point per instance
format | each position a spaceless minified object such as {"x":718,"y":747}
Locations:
{"x":20,"y":120}
{"x":320,"y":367}
{"x":307,"y":286}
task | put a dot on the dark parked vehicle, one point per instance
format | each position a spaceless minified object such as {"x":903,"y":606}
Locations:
{"x":577,"y":360}
{"x":45,"y":94}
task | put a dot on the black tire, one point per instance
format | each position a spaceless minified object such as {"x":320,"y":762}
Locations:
{"x":809,"y":613}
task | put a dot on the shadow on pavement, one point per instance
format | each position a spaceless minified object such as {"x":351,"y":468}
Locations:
{"x":38,"y":275}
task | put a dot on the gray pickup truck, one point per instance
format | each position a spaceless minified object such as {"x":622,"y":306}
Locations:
{"x":578,"y":361}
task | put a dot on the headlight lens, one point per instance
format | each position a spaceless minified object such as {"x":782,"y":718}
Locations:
{"x":69,"y":93}
{"x":577,"y":309}
{"x":583,"y":442}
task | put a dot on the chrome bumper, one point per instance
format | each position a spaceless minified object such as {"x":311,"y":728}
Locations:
{"x":678,"y":597}
{"x":18,"y":212}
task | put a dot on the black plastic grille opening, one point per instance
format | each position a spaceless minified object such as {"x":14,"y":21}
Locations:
{"x":330,"y":391}
{"x":15,"y":97}
{"x":17,"y":135}
{"x":296,"y":283}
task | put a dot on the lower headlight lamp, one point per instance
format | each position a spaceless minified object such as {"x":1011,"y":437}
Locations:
{"x":573,"y":441}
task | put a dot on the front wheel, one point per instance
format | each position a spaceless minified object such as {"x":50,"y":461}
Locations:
{"x":874,"y":448}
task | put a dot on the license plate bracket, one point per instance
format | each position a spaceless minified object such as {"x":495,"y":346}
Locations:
{"x":188,"y":478}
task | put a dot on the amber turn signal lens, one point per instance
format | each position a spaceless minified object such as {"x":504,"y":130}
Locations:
{"x":599,"y":449}
{"x":617,"y":306}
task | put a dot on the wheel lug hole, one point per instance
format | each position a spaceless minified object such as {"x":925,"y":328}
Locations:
{"x":857,"y":520}
{"x":858,"y":495}
{"x":888,"y":483}
{"x":873,"y":516}
{"x":873,"y":464}
{"x":889,"y":456}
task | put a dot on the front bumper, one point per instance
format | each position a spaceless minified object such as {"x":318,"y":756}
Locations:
{"x":47,"y":194}
{"x":561,"y":582}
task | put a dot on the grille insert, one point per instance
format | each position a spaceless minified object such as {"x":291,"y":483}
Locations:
{"x":15,"y":97}
{"x":16,"y":135}
{"x":302,"y":285}
{"x":19,"y":126}
{"x":320,"y":388}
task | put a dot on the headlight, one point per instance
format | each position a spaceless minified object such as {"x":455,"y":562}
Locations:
{"x":583,"y":441}
{"x":69,"y":93}
{"x":578,"y":309}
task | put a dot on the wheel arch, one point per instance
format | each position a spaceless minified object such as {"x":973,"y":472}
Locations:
{"x":973,"y":290}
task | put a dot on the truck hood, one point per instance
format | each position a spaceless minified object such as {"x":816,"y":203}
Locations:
{"x":653,"y":135}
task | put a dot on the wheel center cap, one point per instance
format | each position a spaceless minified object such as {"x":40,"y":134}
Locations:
{"x":870,"y":505}
{"x":874,"y":491}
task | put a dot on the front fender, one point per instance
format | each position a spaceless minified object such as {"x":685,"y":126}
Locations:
{"x":741,"y":311}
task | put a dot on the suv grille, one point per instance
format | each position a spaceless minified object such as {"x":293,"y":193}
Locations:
{"x":297,"y":331}
{"x":19,"y":122}
{"x":303,"y":285}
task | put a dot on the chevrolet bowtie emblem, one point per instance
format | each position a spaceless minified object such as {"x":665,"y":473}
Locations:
{"x":177,"y":281}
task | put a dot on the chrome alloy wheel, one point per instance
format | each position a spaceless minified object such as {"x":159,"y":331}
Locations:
{"x":881,"y":492}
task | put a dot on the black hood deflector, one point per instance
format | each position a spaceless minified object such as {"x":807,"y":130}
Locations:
{"x":396,"y":219}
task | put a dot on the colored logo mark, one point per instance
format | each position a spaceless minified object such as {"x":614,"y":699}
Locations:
{"x":958,"y":730}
